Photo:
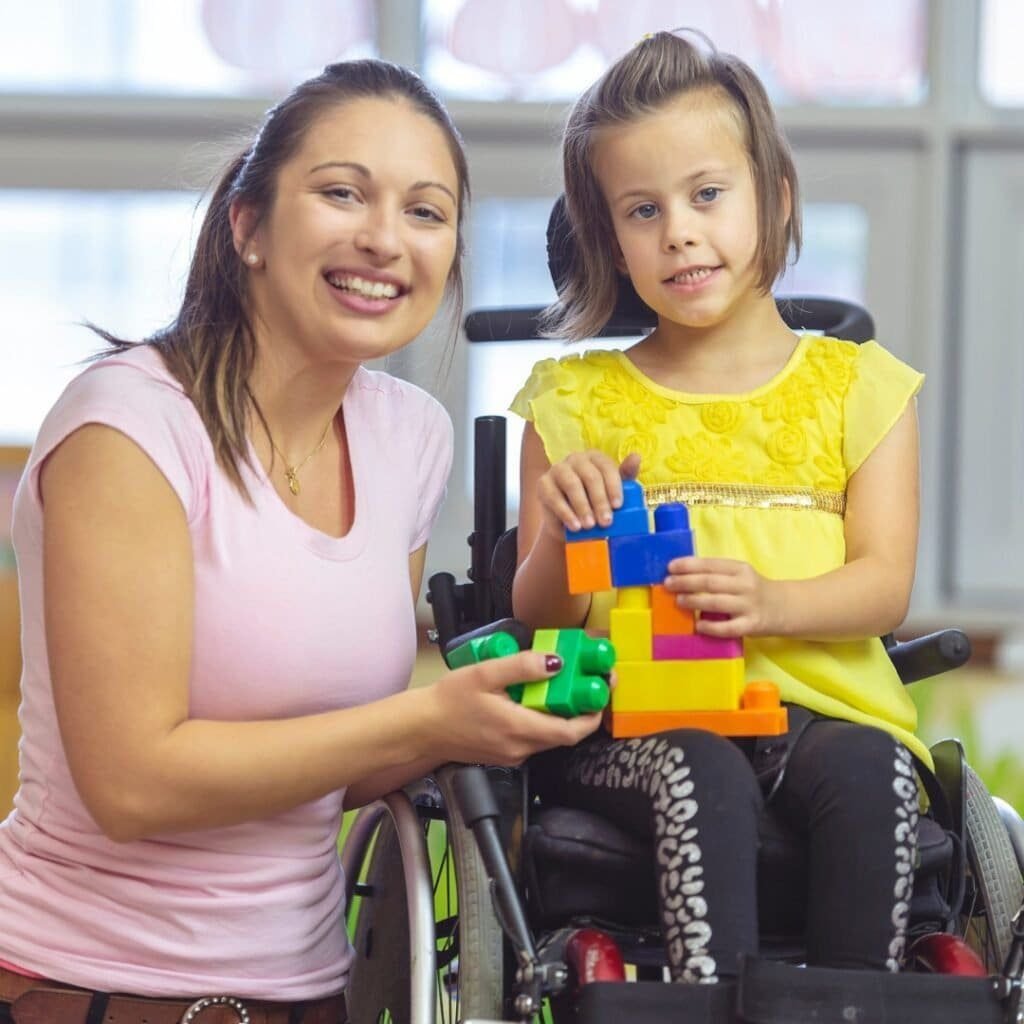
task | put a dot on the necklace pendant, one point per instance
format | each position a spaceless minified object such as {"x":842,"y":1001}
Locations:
{"x":293,"y":481}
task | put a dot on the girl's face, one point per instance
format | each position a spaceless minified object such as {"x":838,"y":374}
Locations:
{"x":356,"y":249}
{"x":683,"y":205}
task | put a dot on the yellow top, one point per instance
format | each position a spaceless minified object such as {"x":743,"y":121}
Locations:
{"x":764,"y":474}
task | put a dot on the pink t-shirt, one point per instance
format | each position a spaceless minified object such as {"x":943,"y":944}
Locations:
{"x":288,"y":621}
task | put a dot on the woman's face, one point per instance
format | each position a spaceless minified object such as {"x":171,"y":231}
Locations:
{"x":356,"y":249}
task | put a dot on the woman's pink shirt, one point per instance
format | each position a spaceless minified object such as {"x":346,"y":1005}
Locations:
{"x":288,"y":621}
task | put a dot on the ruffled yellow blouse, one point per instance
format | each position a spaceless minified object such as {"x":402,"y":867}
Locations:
{"x":764,"y":474}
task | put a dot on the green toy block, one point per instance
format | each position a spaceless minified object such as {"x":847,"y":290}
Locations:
{"x":580,"y":687}
{"x":483,"y":648}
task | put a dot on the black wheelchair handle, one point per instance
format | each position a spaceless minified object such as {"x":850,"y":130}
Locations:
{"x":442,"y":595}
{"x":930,"y":655}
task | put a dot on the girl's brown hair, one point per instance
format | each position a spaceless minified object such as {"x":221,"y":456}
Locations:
{"x":209,"y":346}
{"x":656,"y":71}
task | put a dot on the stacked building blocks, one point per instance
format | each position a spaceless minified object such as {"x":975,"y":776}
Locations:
{"x":579,"y":688}
{"x":669,"y":676}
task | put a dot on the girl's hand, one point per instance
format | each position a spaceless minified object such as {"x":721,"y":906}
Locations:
{"x":474,"y":720}
{"x":582,"y":490}
{"x":742,"y":601}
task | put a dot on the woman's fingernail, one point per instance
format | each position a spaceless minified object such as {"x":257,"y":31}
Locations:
{"x":553,"y":663}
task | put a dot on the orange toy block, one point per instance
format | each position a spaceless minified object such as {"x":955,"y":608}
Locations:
{"x":760,"y":715}
{"x":667,"y":618}
{"x":589,"y":566}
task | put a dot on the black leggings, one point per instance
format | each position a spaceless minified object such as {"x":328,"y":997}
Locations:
{"x":849,"y":789}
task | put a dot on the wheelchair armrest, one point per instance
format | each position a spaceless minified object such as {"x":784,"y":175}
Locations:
{"x":930,"y":655}
{"x":523,"y":635}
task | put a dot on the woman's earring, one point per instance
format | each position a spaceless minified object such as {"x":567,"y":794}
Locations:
{"x":252,"y":259}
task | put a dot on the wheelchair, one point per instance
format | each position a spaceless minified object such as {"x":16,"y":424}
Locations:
{"x":470,"y":900}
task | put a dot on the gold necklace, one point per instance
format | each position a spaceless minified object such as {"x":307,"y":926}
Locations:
{"x":291,"y":473}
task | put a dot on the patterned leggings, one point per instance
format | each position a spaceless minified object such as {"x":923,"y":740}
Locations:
{"x":850,"y":790}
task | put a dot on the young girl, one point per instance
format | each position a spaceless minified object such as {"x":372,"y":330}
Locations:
{"x":798,"y":459}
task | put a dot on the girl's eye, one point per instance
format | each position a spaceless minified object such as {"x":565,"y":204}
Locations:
{"x":709,"y":194}
{"x":645,"y":211}
{"x":342,"y":192}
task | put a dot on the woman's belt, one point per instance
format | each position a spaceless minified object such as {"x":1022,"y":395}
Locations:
{"x":36,"y":1001}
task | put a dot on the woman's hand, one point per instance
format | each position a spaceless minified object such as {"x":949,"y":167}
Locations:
{"x":473,"y":719}
{"x":741,"y":601}
{"x":582,"y":490}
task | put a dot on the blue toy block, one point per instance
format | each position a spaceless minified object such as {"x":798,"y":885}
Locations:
{"x":631,"y":518}
{"x":641,"y":560}
{"x":673,"y":515}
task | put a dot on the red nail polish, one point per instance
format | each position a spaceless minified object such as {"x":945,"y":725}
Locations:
{"x":553,"y":663}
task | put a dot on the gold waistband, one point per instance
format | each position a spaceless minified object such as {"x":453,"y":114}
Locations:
{"x":748,"y":496}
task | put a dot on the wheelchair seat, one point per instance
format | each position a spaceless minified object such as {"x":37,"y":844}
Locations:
{"x":577,"y":865}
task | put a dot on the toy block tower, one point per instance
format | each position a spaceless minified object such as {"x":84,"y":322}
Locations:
{"x":669,"y":676}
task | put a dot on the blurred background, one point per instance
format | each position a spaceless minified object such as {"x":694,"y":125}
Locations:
{"x":907,"y":122}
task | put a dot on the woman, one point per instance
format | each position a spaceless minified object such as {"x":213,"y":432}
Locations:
{"x":221,"y":535}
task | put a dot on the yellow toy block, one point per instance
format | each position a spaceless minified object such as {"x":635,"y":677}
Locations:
{"x":706,"y":685}
{"x":667,"y":617}
{"x":633,"y":597}
{"x":535,"y":695}
{"x":630,"y":633}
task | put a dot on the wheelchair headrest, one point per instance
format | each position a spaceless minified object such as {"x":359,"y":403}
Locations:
{"x":838,"y":318}
{"x":629,"y":307}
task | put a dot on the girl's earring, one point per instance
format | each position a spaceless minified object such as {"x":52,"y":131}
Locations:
{"x":252,"y":259}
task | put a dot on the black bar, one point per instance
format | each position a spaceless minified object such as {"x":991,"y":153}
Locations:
{"x":480,"y":810}
{"x":838,"y":318}
{"x":488,"y":508}
{"x":441,"y":595}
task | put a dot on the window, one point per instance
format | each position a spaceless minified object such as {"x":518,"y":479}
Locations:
{"x":117,"y":259}
{"x":553,"y":49}
{"x":1001,"y":74}
{"x":227,"y":47}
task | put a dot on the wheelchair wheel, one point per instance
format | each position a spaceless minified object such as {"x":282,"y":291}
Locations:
{"x":995,"y":887}
{"x":428,"y":946}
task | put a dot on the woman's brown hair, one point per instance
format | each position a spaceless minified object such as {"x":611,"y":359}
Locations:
{"x":655,"y":72}
{"x":209,"y":346}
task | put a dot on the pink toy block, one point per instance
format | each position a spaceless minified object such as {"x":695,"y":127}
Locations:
{"x":696,"y":646}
